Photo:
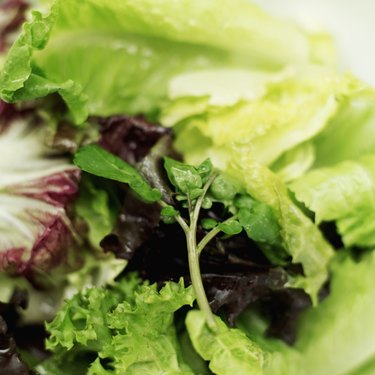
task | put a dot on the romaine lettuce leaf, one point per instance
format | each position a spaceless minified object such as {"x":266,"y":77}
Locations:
{"x":334,"y":338}
{"x":266,"y":114}
{"x":339,"y":335}
{"x":344,"y":193}
{"x":300,"y":237}
{"x":351,"y":131}
{"x":119,"y":58}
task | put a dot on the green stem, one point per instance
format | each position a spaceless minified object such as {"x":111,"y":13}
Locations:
{"x":210,"y":235}
{"x":178,"y":218}
{"x":193,"y":256}
{"x":198,"y":205}
{"x":207,"y":238}
{"x":196,"y":280}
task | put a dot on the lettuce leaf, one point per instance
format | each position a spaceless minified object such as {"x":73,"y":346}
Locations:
{"x":241,"y":351}
{"x":334,"y":338}
{"x":36,"y":187}
{"x":350,"y":133}
{"x":344,"y":193}
{"x":228,"y":350}
{"x":339,"y":335}
{"x":300,"y":237}
{"x":119,"y":58}
{"x":128,"y":329}
{"x":94,"y":206}
{"x":267,"y":114}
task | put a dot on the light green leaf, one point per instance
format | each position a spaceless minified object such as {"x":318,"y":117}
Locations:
{"x":344,"y":193}
{"x":293,"y":107}
{"x":119,"y":58}
{"x":94,"y":207}
{"x":229,"y":351}
{"x":350,"y":133}
{"x":339,"y":336}
{"x":130,"y":325}
{"x":300,"y":237}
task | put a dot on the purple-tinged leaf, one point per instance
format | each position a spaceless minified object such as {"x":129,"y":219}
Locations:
{"x":130,"y":138}
{"x":12,"y":17}
{"x":36,"y":188}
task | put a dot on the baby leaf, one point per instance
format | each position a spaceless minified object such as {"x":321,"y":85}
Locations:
{"x":95,"y":160}
{"x":208,"y":223}
{"x":184,"y":177}
{"x":260,"y":224}
{"x":223,"y":189}
{"x":244,"y":201}
{"x":231,"y":227}
{"x":169,"y":211}
{"x":205,"y":169}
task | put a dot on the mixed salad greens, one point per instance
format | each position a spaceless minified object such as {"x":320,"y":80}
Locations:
{"x":186,"y":187}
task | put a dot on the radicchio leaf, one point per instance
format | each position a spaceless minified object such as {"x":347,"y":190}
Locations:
{"x":12,"y":17}
{"x":129,"y":138}
{"x":9,"y":113}
{"x":36,"y":187}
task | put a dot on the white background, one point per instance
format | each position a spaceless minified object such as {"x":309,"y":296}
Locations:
{"x":352,"y":22}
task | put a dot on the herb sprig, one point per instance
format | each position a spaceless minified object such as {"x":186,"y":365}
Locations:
{"x":196,"y":189}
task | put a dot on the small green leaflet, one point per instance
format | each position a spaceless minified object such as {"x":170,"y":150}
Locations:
{"x":223,"y":189}
{"x":231,"y":227}
{"x":184,"y":177}
{"x":95,"y":160}
{"x":208,"y":223}
{"x":169,"y":211}
{"x":260,"y":224}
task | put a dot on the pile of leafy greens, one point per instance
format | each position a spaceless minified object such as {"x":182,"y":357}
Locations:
{"x":186,"y":187}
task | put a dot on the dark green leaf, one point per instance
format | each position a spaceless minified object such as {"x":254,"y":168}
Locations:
{"x":95,"y":160}
{"x":184,"y":177}
{"x":231,"y":227}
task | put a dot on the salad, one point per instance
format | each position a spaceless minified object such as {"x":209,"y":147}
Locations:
{"x":186,"y":187}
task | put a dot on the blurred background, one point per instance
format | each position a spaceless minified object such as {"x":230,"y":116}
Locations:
{"x":352,"y":22}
